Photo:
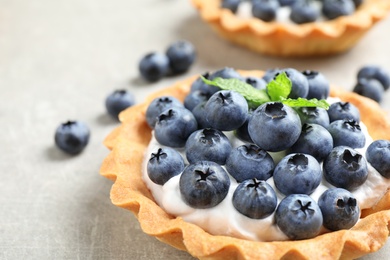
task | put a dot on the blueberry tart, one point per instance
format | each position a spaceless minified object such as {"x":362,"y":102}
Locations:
{"x":228,"y":194}
{"x":293,"y":28}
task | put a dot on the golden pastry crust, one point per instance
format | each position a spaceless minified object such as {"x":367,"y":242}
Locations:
{"x":311,"y":39}
{"x":123,"y":165}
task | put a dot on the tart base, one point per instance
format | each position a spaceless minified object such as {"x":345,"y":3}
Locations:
{"x":292,"y":40}
{"x":123,"y":165}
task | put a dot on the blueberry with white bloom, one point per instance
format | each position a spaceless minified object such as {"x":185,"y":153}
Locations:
{"x":204,"y":184}
{"x":343,"y":110}
{"x":72,"y":136}
{"x":174,"y":126}
{"x":299,"y":217}
{"x":181,"y":55}
{"x":345,"y":168}
{"x":313,"y":115}
{"x":199,"y":113}
{"x":270,"y":74}
{"x":375,"y":72}
{"x":333,"y":9}
{"x":157,"y":106}
{"x":265,"y":9}
{"x":318,"y":85}
{"x":274,"y":126}
{"x":194,"y":98}
{"x":257,"y":83}
{"x":154,"y":66}
{"x":304,"y":12}
{"x":255,"y":199}
{"x":200,"y":85}
{"x":242,"y":132}
{"x":378,"y":154}
{"x":226,"y":110}
{"x":118,"y":101}
{"x":300,"y":84}
{"x":370,"y":88}
{"x":297,"y":173}
{"x":249,"y":162}
{"x":164,"y":164}
{"x":348,"y":133}
{"x":339,"y":208}
{"x":314,"y":140}
{"x":226,"y":73}
{"x":208,"y":145}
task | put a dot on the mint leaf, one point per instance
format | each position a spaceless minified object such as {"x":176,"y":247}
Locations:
{"x":255,"y":97}
{"x":279,"y":88}
{"x":303,"y":102}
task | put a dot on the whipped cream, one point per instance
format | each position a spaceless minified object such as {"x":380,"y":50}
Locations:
{"x":224,"y":219}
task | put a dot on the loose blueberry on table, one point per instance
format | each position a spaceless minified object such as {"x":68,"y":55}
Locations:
{"x":263,"y":153}
{"x":72,"y":136}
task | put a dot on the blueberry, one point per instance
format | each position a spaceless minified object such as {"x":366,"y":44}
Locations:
{"x":299,"y":217}
{"x":314,"y":140}
{"x":370,"y":88}
{"x":254,"y":199}
{"x":339,"y":208}
{"x":208,"y":145}
{"x":274,"y":126}
{"x":249,"y":162}
{"x":164,"y":164}
{"x":199,"y":85}
{"x":347,"y":133}
{"x":72,"y":137}
{"x":378,"y":154}
{"x":194,"y":98}
{"x":375,"y":72}
{"x":343,"y":110}
{"x":204,"y":184}
{"x":265,"y":9}
{"x":300,"y":84}
{"x":226,"y":110}
{"x":226,"y":73}
{"x":157,"y":106}
{"x":345,"y":168}
{"x":118,"y":101}
{"x":297,"y":174}
{"x":174,"y":126}
{"x":181,"y":55}
{"x":304,"y":12}
{"x":318,"y":84}
{"x":154,"y":66}
{"x":270,"y":74}
{"x":257,"y":83}
{"x":357,"y":3}
{"x":199,"y":113}
{"x":333,"y":9}
{"x":232,"y":5}
{"x":242,"y":132}
{"x":313,"y":115}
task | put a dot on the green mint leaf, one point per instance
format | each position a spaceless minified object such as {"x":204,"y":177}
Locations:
{"x":303,"y":102}
{"x":254,"y":97}
{"x":279,"y":88}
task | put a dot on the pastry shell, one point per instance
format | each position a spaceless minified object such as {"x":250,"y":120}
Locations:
{"x":123,"y":166}
{"x":288,"y":40}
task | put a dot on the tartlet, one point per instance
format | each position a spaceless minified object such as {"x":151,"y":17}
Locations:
{"x":124,"y":163}
{"x":280,"y":39}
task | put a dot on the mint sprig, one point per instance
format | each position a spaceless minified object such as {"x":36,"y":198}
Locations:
{"x":277,"y":90}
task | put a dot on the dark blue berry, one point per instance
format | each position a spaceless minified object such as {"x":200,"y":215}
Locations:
{"x":347,"y":133}
{"x":226,"y":73}
{"x":300,"y":84}
{"x":257,"y":83}
{"x":333,"y":9}
{"x":118,"y":101}
{"x":378,"y":154}
{"x":318,"y":85}
{"x":265,"y":9}
{"x":370,"y":88}
{"x":157,"y":106}
{"x":194,"y":98}
{"x":343,"y":110}
{"x":72,"y":137}
{"x":313,"y":115}
{"x":304,"y":12}
{"x":164,"y":164}
{"x":232,"y":5}
{"x":254,"y":199}
{"x":375,"y":72}
{"x":154,"y":66}
{"x":199,"y":113}
{"x":204,"y":184}
{"x":199,"y":85}
{"x":345,"y":168}
{"x":181,"y":55}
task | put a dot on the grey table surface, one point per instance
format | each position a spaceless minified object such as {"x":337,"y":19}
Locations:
{"x":59,"y":59}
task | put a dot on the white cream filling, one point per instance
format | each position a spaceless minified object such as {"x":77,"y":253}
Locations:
{"x":224,"y":219}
